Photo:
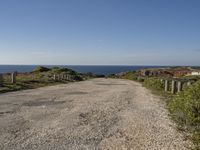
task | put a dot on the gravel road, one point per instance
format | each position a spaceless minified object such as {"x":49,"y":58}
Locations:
{"x":96,"y":114}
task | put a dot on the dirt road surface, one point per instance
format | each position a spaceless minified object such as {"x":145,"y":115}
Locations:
{"x":96,"y":114}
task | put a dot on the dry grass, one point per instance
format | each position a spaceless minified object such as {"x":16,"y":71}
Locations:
{"x":27,"y":81}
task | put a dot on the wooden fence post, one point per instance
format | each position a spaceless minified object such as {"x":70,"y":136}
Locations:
{"x":166,"y":85}
{"x":13,"y":77}
{"x":173,"y":87}
{"x":179,"y":86}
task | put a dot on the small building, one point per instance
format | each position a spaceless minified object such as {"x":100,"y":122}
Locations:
{"x":144,"y":72}
{"x":179,"y":73}
{"x":195,"y":73}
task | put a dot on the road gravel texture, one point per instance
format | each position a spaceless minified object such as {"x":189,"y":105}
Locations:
{"x":98,"y":114}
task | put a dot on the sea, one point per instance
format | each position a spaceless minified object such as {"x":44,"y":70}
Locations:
{"x":103,"y":70}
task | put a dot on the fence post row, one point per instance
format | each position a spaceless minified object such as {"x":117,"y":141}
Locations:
{"x":176,"y":85}
{"x":59,"y":77}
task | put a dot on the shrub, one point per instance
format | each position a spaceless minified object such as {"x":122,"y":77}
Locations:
{"x":100,"y":76}
{"x":140,"y":79}
{"x":62,"y":70}
{"x":130,"y":76}
{"x":112,"y":76}
{"x":56,"y":70}
{"x":40,"y":69}
{"x":185,"y":110}
{"x":154,"y":83}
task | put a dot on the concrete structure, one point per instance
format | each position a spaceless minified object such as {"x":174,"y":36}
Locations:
{"x":13,"y":77}
{"x":180,"y":73}
{"x":59,"y":77}
{"x":54,"y":77}
{"x":168,"y":72}
{"x":173,"y":89}
{"x":176,"y":84}
{"x":166,"y":85}
{"x":179,"y":86}
{"x":195,"y":73}
{"x":144,"y":72}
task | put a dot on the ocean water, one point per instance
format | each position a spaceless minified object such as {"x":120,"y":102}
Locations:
{"x":82,"y":69}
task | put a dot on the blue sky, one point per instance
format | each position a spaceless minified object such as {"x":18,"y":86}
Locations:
{"x":100,"y":32}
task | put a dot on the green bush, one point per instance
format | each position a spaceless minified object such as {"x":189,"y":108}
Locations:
{"x":130,"y":76}
{"x":40,"y":69}
{"x":58,"y":70}
{"x":112,"y":76}
{"x":185,"y":110}
{"x":140,"y":79}
{"x":154,"y":83}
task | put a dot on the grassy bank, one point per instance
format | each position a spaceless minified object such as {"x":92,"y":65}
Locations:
{"x":40,"y":77}
{"x":26,"y":81}
{"x":185,"y":110}
{"x":184,"y":107}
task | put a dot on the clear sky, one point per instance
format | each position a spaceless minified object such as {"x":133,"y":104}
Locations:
{"x":100,"y":32}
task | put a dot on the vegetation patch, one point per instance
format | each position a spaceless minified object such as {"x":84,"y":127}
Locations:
{"x":154,"y":83}
{"x":40,"y":69}
{"x":130,"y":76}
{"x":39,"y":77}
{"x":185,"y":110}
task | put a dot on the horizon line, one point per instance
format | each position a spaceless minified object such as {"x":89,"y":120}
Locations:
{"x":94,"y":65}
